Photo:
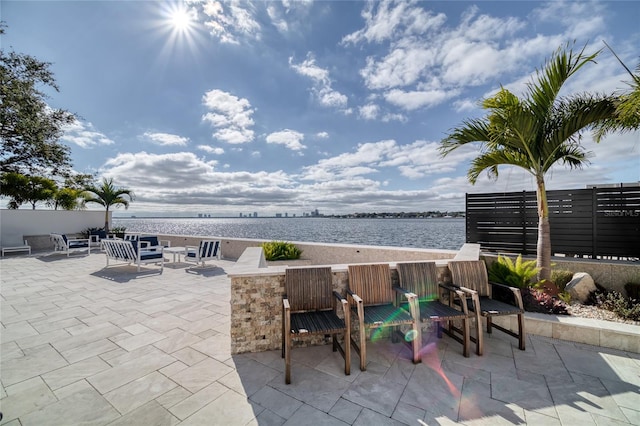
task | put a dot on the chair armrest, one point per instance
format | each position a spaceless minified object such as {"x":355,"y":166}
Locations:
{"x":339,"y":296}
{"x":517,"y":294}
{"x":501,"y":285}
{"x":409,"y":295}
{"x":456,"y":290}
{"x":344,"y":303}
{"x":354,"y":298}
{"x":285,"y":305}
{"x":474,"y":298}
{"x":149,"y":248}
{"x":69,"y":240}
{"x":404,"y":292}
{"x":412,"y":298}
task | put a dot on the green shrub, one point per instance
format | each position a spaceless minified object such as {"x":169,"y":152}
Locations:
{"x":561,"y":278}
{"x":280,"y":250}
{"x":118,"y":231}
{"x":516,"y":274}
{"x":622,"y":306}
{"x":87,"y":232}
{"x":565,"y":297}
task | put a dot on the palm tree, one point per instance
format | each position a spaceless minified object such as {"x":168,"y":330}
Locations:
{"x":107,"y":195}
{"x":535,"y":133}
{"x":68,"y":199}
{"x":627,"y":116}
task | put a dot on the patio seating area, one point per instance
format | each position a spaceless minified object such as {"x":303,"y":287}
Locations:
{"x":85,"y":344}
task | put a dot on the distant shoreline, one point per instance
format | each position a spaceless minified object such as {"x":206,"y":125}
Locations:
{"x":287,"y":217}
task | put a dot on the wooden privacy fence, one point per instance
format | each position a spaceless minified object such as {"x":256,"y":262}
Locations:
{"x":595,"y":222}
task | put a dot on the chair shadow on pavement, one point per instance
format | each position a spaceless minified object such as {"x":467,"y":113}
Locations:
{"x":125,"y":273}
{"x":58,"y":256}
{"x":207,"y":271}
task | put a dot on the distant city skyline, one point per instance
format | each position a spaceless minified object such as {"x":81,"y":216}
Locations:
{"x":276,"y":107}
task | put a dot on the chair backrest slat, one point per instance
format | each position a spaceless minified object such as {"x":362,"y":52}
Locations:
{"x":119,"y":249}
{"x":209,"y":248}
{"x":471,"y":274}
{"x":372,"y":283}
{"x":420,"y":278}
{"x":309,"y":289}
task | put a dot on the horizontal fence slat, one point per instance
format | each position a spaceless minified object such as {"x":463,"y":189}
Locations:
{"x":583,"y":222}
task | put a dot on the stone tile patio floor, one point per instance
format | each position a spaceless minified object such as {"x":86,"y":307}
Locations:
{"x":93,"y":346}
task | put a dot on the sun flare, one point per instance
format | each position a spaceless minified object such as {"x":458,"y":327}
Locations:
{"x":178,"y":23}
{"x":181,"y":19}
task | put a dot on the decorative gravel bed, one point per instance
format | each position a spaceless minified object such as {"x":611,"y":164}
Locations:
{"x":592,"y":311}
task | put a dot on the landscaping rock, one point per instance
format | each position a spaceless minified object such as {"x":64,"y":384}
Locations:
{"x":580,"y":286}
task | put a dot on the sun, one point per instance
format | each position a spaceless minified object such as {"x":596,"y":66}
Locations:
{"x":181,"y":19}
{"x":178,"y":23}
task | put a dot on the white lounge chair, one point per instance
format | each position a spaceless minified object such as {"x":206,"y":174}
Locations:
{"x":10,"y":246}
{"x":207,"y":250}
{"x":69,"y":245}
{"x":130,"y":252}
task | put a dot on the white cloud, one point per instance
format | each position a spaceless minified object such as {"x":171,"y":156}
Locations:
{"x":388,"y":19}
{"x":83,"y":134}
{"x":289,"y":138}
{"x":394,"y":117}
{"x":322,"y":86}
{"x":276,"y":18}
{"x":230,"y":20}
{"x":422,"y":62}
{"x":369,"y":111}
{"x":401,"y":67}
{"x":182,"y":178}
{"x":166,"y":139}
{"x":464,"y":105}
{"x":322,"y":135}
{"x":582,"y":19}
{"x":211,"y":149}
{"x":231,"y":116}
{"x":418,"y":99}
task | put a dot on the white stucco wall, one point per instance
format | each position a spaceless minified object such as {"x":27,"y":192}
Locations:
{"x":17,"y":224}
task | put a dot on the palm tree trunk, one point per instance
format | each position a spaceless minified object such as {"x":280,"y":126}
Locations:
{"x":106,"y":220}
{"x":543,"y":259}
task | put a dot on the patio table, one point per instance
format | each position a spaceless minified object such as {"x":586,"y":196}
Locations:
{"x":174,"y":251}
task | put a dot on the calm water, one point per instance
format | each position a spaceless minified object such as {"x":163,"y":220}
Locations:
{"x":423,"y":233}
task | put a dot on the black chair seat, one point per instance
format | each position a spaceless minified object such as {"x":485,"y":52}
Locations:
{"x":147,"y":255}
{"x":318,"y":322}
{"x":435,"y":310}
{"x":385,"y":314}
{"x":493,"y":307}
{"x":73,"y":244}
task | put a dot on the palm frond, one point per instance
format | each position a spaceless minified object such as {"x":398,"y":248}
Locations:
{"x":490,"y":161}
{"x":576,"y":114}
{"x":475,"y":130}
{"x":544,"y":89}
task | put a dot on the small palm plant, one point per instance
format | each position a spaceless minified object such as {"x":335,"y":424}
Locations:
{"x":280,"y":250}
{"x":519,"y":273}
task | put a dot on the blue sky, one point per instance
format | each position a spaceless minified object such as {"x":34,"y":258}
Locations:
{"x":272,"y":107}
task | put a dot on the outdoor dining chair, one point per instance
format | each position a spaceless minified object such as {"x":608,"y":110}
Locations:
{"x":471,"y":276}
{"x":421,"y":278}
{"x":371,"y":297}
{"x":206,"y":250}
{"x":310,"y":308}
